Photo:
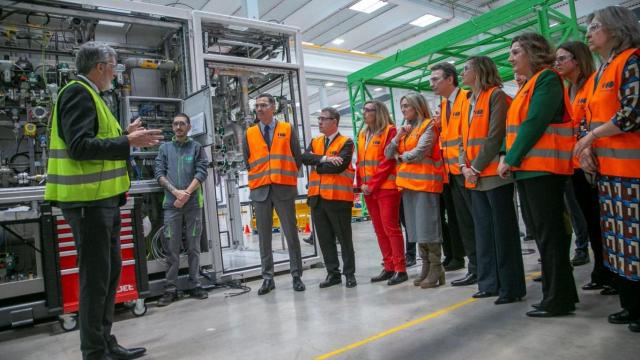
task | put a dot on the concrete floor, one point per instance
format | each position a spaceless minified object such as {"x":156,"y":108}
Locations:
{"x":407,"y":321}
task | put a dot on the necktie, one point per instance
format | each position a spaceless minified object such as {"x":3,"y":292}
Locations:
{"x":448,"y":110}
{"x":326,"y":144}
{"x":267,"y":135}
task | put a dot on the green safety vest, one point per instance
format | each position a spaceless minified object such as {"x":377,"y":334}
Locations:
{"x":70,"y":180}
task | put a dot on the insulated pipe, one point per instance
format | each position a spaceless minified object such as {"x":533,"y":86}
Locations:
{"x":154,"y":64}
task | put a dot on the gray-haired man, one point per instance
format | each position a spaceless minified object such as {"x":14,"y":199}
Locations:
{"x":87,"y":179}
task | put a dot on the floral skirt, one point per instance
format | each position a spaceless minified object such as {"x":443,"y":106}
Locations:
{"x":620,"y":222}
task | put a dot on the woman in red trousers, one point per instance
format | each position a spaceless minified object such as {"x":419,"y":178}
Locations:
{"x":376,"y":176}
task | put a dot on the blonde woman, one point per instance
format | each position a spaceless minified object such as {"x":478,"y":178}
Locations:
{"x":420,"y":178}
{"x":376,"y":176}
{"x":483,"y":126}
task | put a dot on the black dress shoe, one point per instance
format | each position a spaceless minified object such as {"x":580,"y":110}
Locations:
{"x":592,"y":286}
{"x":506,"y":300}
{"x":330,"y":281}
{"x":410,"y":261}
{"x":308,"y":240}
{"x":384,"y":275}
{"x":482,"y":294}
{"x":298,"y":285}
{"x":398,"y":278}
{"x":538,"y":278}
{"x":537,"y":306}
{"x":608,"y":290}
{"x":634,"y":326}
{"x":115,"y":351}
{"x":545,"y":314}
{"x":267,"y":286}
{"x":351,"y":281}
{"x":455,"y":264}
{"x":199,"y":293}
{"x":468,"y":279}
{"x":622,"y":317}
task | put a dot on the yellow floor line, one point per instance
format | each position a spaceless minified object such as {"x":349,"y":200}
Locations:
{"x":406,"y":325}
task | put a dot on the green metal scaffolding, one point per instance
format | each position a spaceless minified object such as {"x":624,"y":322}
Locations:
{"x":489,"y":34}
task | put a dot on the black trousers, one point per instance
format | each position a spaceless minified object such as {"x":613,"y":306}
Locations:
{"x":629,"y":292}
{"x":409,"y":246}
{"x":462,"y":205}
{"x":587,"y":196}
{"x":96,"y":231}
{"x":527,"y":218}
{"x":500,"y":268}
{"x":544,"y":199}
{"x":451,"y":240}
{"x":332,"y":220}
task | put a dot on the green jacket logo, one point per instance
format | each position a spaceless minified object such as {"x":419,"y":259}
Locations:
{"x":188,"y":158}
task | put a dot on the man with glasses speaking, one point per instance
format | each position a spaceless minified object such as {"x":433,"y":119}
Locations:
{"x":87,"y":179}
{"x":181,"y":168}
{"x":330,"y":196}
{"x":272,"y":155}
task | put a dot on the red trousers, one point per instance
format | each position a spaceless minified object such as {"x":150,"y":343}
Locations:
{"x":384,"y":208}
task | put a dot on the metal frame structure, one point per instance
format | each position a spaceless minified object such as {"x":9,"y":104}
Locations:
{"x":489,"y":34}
{"x":295,"y":64}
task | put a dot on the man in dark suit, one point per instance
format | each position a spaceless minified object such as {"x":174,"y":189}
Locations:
{"x":272,"y":155}
{"x":87,"y":179}
{"x":330,"y":196}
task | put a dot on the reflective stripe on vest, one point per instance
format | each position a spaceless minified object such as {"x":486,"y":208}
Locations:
{"x":271,"y":166}
{"x":578,"y":110}
{"x":450,"y":134}
{"x":475,"y":132}
{"x":618,"y":155}
{"x":426,"y":175}
{"x":553,"y":150}
{"x":70,"y":180}
{"x":371,"y":155}
{"x":331,"y":186}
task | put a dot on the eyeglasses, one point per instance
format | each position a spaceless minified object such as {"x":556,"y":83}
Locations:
{"x":593,"y":27}
{"x":113,"y":65}
{"x":562,"y":58}
{"x":366,"y":109}
{"x":262,"y":106}
{"x":324,"y":118}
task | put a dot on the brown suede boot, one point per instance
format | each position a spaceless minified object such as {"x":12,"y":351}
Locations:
{"x":424,"y":255}
{"x":436,"y":270}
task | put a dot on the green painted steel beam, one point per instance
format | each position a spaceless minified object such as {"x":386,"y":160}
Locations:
{"x":477,"y":25}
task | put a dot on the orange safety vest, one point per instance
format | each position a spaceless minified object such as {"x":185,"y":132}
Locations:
{"x":371,"y":154}
{"x":450,"y":133}
{"x":579,"y":108}
{"x":475,"y":132}
{"x":618,"y":155}
{"x":275,"y":165}
{"x":553,"y":151}
{"x":427,"y":174}
{"x":331,"y":186}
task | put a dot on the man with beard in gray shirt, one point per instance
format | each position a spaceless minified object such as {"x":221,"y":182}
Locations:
{"x":181,"y":168}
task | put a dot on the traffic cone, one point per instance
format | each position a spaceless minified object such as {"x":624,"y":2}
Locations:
{"x":247,"y":230}
{"x":307,"y":229}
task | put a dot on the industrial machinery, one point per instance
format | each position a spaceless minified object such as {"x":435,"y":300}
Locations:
{"x":170,"y":60}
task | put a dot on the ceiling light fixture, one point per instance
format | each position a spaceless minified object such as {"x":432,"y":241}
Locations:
{"x":308,"y":43}
{"x":338,"y":41}
{"x":377,"y":89}
{"x":335,"y":106}
{"x":328,"y":84}
{"x":357,"y":52}
{"x":110,"y":23}
{"x":425,"y":20}
{"x":367,"y":6}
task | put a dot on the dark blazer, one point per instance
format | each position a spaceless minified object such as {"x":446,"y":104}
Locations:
{"x":277,"y":191}
{"x":311,"y":159}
